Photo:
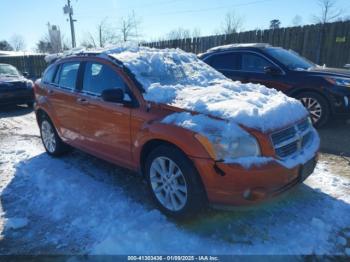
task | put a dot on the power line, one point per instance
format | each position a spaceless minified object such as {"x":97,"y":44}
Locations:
{"x":198,"y":10}
{"x":214,"y":8}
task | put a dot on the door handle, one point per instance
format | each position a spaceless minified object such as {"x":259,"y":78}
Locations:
{"x":82,"y":101}
{"x":50,"y":91}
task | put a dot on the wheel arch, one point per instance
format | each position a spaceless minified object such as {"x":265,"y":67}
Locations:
{"x":311,"y":90}
{"x":40,"y":113}
{"x":153,"y":144}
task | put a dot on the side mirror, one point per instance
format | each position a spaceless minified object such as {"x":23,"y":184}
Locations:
{"x":272,"y":70}
{"x":113,"y":95}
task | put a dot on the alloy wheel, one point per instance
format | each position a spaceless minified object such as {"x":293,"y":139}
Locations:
{"x":168,"y":183}
{"x":314,"y":108}
{"x":48,"y":136}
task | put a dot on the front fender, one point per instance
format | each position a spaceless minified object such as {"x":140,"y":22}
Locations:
{"x":182,"y":138}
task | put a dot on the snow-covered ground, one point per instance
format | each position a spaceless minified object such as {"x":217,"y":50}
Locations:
{"x":79,"y":204}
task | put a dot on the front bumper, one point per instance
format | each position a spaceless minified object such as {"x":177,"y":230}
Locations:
{"x":232,"y":184}
{"x":14,"y":97}
{"x":340,"y":101}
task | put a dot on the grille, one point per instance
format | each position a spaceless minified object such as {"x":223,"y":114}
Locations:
{"x":289,"y":141}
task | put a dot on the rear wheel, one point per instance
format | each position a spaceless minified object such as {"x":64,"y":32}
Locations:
{"x":53,"y":144}
{"x":317,"y":106}
{"x":174,"y":182}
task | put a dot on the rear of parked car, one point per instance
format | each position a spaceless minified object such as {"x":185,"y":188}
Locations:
{"x":196,"y":136}
{"x":325,"y":92}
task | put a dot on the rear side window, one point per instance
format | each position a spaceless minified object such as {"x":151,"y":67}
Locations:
{"x":49,"y":75}
{"x":99,"y":77}
{"x":68,"y":75}
{"x":226,"y":61}
{"x":254,"y":63}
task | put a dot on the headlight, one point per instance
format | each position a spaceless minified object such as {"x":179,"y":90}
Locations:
{"x":221,"y":148}
{"x":30,"y":83}
{"x":339,"y":81}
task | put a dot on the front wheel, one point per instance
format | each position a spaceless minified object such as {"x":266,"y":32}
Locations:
{"x":317,"y":106}
{"x":174,"y":182}
{"x":53,"y":144}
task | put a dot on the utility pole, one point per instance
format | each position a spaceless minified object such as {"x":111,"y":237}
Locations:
{"x":68,"y":9}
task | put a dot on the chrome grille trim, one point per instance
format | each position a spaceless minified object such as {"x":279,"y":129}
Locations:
{"x":290,"y":141}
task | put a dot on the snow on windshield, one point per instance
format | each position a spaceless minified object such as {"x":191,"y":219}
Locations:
{"x":174,"y":77}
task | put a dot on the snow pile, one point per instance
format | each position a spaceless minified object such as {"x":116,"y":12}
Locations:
{"x":230,"y":46}
{"x":78,"y":205}
{"x":174,"y":77}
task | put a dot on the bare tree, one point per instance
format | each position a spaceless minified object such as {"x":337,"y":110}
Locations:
{"x":104,"y":35}
{"x":196,"y":32}
{"x":232,"y":23}
{"x":329,"y":11}
{"x":297,"y":20}
{"x":129,"y":27}
{"x":179,"y":33}
{"x":17,"y":42}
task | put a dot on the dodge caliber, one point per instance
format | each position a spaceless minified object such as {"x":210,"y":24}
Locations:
{"x":197,"y":137}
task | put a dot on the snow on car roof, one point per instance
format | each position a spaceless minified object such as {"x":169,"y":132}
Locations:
{"x":177,"y":78}
{"x":180,"y":79}
{"x":230,"y":46}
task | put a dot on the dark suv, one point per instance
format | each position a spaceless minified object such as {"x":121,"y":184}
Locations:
{"x":325,"y":92}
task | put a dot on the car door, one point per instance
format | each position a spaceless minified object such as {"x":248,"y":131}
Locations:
{"x":253,"y":66}
{"x":107,"y":125}
{"x":62,"y":94}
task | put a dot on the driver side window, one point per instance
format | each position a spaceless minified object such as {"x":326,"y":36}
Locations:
{"x":99,"y":77}
{"x":254,"y":63}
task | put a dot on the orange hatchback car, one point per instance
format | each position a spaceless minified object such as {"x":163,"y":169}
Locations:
{"x":195,"y":135}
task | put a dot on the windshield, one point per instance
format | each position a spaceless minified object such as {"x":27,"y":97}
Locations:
{"x":290,"y":59}
{"x":168,"y":68}
{"x":8,"y":70}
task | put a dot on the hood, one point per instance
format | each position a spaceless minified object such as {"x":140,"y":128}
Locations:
{"x":9,"y":79}
{"x":179,"y":79}
{"x":327,"y":71}
{"x":251,"y":105}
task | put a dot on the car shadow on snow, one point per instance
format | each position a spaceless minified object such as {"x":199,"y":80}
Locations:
{"x":74,"y":201}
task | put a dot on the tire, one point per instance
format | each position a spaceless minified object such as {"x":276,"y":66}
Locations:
{"x":53,"y":144}
{"x":317,"y":106}
{"x":180,"y":196}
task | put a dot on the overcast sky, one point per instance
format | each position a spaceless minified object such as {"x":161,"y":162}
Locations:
{"x":29,"y":18}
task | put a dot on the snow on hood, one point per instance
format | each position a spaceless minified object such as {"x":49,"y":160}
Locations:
{"x":177,"y":78}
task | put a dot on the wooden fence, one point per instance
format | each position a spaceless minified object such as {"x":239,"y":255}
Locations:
{"x":34,"y":65}
{"x":324,"y":44}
